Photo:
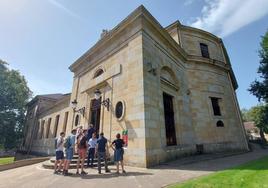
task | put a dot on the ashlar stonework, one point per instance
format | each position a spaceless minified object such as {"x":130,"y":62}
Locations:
{"x":176,"y":84}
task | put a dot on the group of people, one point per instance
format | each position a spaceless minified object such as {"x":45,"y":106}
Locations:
{"x":86,"y":143}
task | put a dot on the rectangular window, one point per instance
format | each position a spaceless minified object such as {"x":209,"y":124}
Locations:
{"x":42,"y":129}
{"x":56,"y":125}
{"x":204,"y":50}
{"x":216,"y":106}
{"x":37,"y":131}
{"x":48,"y":128}
{"x":169,"y":120}
{"x":65,"y":122}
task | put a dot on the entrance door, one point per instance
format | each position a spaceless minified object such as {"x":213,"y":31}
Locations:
{"x":169,"y":120}
{"x":95,"y":114}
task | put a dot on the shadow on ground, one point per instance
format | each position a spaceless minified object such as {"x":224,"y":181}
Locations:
{"x":108,"y":175}
{"x":218,"y":162}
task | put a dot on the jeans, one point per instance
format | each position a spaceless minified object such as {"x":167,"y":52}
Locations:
{"x":90,"y":157}
{"x":102,"y":155}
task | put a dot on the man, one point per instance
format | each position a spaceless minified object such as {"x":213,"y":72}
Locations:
{"x":92,"y":143}
{"x":81,"y":150}
{"x":101,"y":149}
{"x":59,"y":153}
{"x":70,"y":149}
{"x":90,"y":131}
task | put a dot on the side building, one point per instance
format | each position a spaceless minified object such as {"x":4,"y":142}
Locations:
{"x":170,"y":91}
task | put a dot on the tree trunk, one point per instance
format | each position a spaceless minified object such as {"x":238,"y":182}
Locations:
{"x":262,"y":136}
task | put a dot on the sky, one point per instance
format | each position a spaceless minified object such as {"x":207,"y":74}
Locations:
{"x":43,"y":38}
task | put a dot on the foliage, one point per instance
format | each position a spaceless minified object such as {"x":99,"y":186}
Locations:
{"x":6,"y":160}
{"x":259,"y":115}
{"x":246,"y":115}
{"x":260,"y":88}
{"x":253,"y":174}
{"x":14,"y":94}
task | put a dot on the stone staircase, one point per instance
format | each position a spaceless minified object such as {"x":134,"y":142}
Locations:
{"x":50,"y":163}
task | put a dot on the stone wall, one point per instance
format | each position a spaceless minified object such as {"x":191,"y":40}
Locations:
{"x":140,"y":61}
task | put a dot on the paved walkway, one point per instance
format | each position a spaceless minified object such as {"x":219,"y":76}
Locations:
{"x":34,"y":176}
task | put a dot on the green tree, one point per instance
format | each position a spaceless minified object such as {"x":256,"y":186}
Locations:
{"x":14,"y":94}
{"x":259,"y":115}
{"x":260,"y":88}
{"x":246,"y":116}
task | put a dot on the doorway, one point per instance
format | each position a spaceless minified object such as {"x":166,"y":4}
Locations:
{"x":95,"y":110}
{"x":169,"y":120}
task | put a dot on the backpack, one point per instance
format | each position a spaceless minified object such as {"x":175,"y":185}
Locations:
{"x":67,"y":142}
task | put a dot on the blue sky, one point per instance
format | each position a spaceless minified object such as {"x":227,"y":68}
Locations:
{"x":42,"y":39}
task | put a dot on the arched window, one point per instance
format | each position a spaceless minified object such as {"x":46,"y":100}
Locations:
{"x":77,"y":118}
{"x":98,"y":73}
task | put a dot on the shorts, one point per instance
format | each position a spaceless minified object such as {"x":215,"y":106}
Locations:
{"x":59,"y":155}
{"x":82,"y":153}
{"x":69,"y":154}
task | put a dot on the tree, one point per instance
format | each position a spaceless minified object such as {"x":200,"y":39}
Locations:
{"x":259,"y":115}
{"x":14,"y":94}
{"x":246,"y":116}
{"x":260,"y":88}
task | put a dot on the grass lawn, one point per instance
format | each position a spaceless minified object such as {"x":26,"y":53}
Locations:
{"x":6,"y":160}
{"x":252,"y":174}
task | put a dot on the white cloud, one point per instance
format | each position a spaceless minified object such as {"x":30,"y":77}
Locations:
{"x":63,"y":8}
{"x":224,"y":17}
{"x":188,"y":2}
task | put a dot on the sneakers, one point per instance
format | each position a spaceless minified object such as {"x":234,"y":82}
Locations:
{"x":83,"y":173}
{"x":124,"y":172}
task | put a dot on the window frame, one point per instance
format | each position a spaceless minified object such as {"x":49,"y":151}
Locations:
{"x":216,"y":107}
{"x":204,"y":50}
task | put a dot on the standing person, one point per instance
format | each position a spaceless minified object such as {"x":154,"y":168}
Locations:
{"x":82,"y":150}
{"x":117,"y":146}
{"x":101,"y":149}
{"x":92,"y":143}
{"x":90,"y":131}
{"x":79,"y":131}
{"x":69,"y":145}
{"x":59,"y":153}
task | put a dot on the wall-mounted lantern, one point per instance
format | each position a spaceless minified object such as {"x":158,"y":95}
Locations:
{"x":105,"y":102}
{"x":74,"y":106}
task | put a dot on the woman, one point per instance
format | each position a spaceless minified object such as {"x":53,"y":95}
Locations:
{"x":82,"y":150}
{"x":117,"y":146}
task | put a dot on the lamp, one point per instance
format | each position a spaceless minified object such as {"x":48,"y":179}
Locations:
{"x":74,"y":105}
{"x":97,"y":94}
{"x":105,"y":102}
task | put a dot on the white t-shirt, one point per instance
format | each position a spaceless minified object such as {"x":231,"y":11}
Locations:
{"x":92,"y":142}
{"x":60,"y":143}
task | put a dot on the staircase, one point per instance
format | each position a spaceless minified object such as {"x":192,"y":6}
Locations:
{"x":50,"y":163}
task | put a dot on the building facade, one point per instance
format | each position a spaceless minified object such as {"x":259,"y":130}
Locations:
{"x":171,"y":91}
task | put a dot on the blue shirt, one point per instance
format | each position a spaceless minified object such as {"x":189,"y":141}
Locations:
{"x":90,"y":132}
{"x":72,"y":141}
{"x":102,"y":141}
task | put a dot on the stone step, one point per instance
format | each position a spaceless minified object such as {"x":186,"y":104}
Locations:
{"x":74,"y":161}
{"x":49,"y":165}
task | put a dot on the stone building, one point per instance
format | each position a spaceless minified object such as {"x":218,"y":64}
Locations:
{"x":172,"y":89}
